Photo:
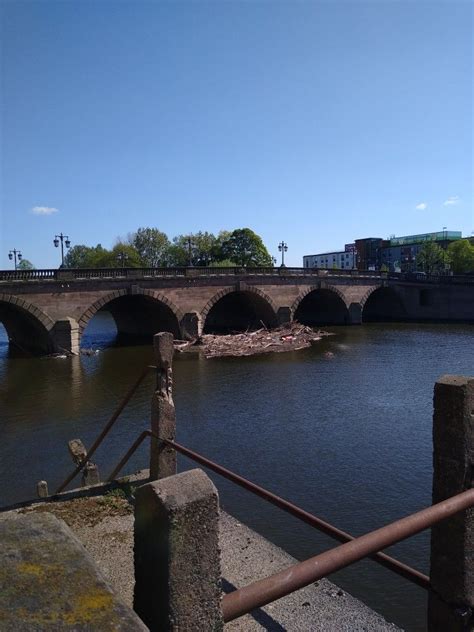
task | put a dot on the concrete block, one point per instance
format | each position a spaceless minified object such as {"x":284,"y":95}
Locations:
{"x":49,"y":582}
{"x":177,"y":559}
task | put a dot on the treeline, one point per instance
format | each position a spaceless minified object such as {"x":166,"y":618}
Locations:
{"x":151,"y":248}
{"x":458,"y":257}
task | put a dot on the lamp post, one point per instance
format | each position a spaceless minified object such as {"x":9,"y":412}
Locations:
{"x":282,"y":247}
{"x":15,"y":254}
{"x":190,"y":254}
{"x":122,"y":257}
{"x":64,"y":239}
{"x":274,"y":260}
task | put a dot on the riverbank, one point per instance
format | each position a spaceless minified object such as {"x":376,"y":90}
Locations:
{"x":289,"y":337}
{"x":104,"y":524}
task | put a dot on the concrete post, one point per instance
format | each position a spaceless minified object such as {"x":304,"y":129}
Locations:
{"x":177,"y":560}
{"x":90,"y":475}
{"x":42,"y":489}
{"x":163,"y":414}
{"x":451,"y":600}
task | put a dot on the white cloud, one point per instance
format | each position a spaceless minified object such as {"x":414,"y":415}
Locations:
{"x":421,"y":206}
{"x":452,"y":200}
{"x":43,"y":210}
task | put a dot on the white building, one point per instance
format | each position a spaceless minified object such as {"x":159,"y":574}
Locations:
{"x":341,"y":260}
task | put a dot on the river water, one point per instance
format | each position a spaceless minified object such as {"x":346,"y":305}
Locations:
{"x":346,"y":437}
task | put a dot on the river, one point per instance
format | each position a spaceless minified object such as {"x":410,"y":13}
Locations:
{"x":346,"y":437}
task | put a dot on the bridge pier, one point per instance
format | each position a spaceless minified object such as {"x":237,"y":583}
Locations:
{"x":284,"y":315}
{"x":355,"y":314}
{"x":65,"y":335}
{"x":191,"y":326}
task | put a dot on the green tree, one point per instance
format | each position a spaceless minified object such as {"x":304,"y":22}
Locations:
{"x":82,"y":256}
{"x":461,"y":253}
{"x":246,"y":248}
{"x":198,"y":249}
{"x":432,"y":258}
{"x":122,"y":255}
{"x":152,"y":246}
{"x":25,"y":265}
{"x":225,"y":263}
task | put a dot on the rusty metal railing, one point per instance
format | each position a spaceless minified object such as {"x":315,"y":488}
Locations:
{"x":106,"y":428}
{"x":260,"y":593}
{"x":385,"y":560}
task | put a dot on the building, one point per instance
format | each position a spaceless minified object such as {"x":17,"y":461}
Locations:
{"x":368,"y":253}
{"x":396,"y":254}
{"x":400,"y":254}
{"x":340,"y":260}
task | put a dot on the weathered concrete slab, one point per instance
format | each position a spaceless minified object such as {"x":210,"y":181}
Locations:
{"x":49,"y":582}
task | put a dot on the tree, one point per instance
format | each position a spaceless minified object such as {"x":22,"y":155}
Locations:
{"x":432,"y":258}
{"x":246,"y":248}
{"x":122,"y":255}
{"x":225,"y":263}
{"x":82,"y":256}
{"x":152,"y":247}
{"x":25,"y":265}
{"x":461,"y":253}
{"x":198,"y":249}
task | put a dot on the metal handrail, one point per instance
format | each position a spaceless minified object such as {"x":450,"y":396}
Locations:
{"x":260,"y":593}
{"x":385,"y":560}
{"x":106,"y":428}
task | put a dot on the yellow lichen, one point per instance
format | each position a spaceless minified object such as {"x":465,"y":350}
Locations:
{"x":36,"y":570}
{"x":85,"y":607}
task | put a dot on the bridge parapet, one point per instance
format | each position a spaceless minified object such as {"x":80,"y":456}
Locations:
{"x":81,"y":274}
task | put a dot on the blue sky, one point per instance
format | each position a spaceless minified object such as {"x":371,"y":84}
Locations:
{"x":312,"y":122}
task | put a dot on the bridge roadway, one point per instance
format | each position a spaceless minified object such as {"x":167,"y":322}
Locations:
{"x":45,"y":311}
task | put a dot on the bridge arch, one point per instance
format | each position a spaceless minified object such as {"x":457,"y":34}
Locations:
{"x":383,"y":304}
{"x":240,"y":309}
{"x":321,"y":306}
{"x":28,"y":328}
{"x":138,"y":315}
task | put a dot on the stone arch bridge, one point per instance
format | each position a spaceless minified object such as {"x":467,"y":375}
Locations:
{"x":46,"y":311}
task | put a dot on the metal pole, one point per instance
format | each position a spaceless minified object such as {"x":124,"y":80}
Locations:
{"x":385,"y":560}
{"x":260,"y":593}
{"x":105,"y":430}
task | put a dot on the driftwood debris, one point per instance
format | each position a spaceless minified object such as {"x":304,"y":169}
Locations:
{"x":290,"y":337}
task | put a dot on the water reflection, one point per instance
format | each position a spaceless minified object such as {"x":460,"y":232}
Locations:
{"x":101,"y":332}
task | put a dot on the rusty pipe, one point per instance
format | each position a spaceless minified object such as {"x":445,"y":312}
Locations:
{"x":106,"y":429}
{"x":385,"y":560}
{"x":271,"y":588}
{"x":133,"y":448}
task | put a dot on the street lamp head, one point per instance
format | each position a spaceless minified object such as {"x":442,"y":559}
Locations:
{"x":19,"y":256}
{"x":68,"y":243}
{"x":10,"y":256}
{"x":56,"y":242}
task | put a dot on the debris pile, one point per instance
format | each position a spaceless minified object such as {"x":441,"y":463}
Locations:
{"x":289,"y":337}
